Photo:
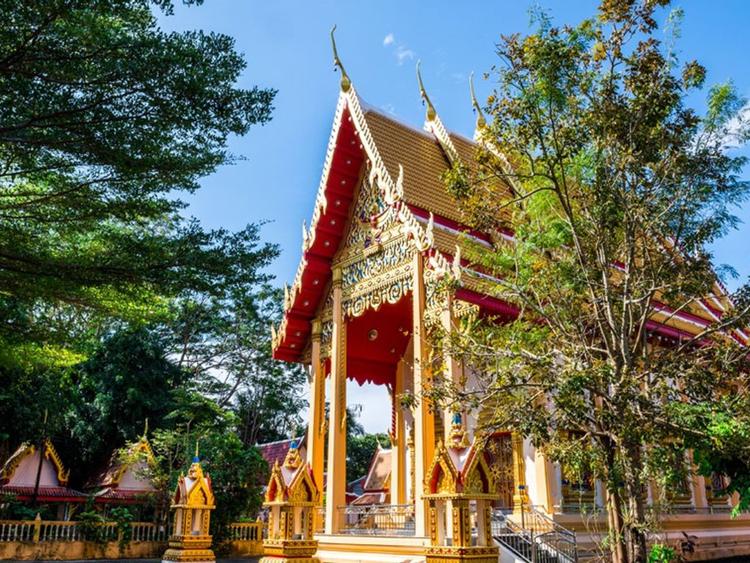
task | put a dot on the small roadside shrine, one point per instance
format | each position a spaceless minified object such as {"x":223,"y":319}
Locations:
{"x":192,"y":505}
{"x":291,"y":496}
{"x":459,"y":490}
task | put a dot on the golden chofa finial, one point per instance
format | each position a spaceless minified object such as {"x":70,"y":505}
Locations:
{"x":431,"y":113}
{"x":345,"y":82}
{"x":481,"y":122}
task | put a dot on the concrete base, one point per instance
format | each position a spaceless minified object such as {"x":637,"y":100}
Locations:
{"x":507,"y":556}
{"x":370,"y":549}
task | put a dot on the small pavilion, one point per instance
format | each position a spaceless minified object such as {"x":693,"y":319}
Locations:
{"x":35,"y":473}
{"x":127,"y":481}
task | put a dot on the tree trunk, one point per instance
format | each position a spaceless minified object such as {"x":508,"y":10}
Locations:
{"x":635,"y":524}
{"x":617,"y":543}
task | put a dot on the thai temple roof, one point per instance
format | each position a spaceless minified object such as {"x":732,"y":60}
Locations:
{"x":379,"y":474}
{"x":124,"y":480}
{"x":275,"y":452}
{"x":18,"y":475}
{"x":377,"y":482}
{"x":408,"y":164}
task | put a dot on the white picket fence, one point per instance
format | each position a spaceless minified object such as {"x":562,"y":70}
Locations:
{"x":50,"y":530}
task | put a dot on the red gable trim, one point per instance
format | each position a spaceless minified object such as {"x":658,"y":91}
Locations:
{"x":328,"y":232}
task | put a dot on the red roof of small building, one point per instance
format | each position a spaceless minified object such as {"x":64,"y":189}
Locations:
{"x":45,"y":494}
{"x":274,"y":452}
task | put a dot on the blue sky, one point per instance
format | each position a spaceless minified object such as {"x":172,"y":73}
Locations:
{"x":287,"y":48}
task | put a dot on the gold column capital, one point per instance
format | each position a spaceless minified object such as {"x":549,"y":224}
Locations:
{"x":317,"y":329}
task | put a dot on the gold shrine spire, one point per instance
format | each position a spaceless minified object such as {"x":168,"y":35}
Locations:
{"x":481,"y":121}
{"x":346,"y":83}
{"x":431,"y":113}
{"x":145,"y":429}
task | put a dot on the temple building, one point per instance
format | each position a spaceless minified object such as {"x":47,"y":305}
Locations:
{"x":127,"y":478}
{"x":376,"y":485}
{"x":383,"y":235}
{"x":37,"y":475}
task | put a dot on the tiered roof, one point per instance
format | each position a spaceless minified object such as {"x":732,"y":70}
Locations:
{"x":377,"y":482}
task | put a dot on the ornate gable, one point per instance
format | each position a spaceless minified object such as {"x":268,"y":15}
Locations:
{"x":292,"y":483}
{"x":459,"y":471}
{"x":194,"y":489}
{"x":25,"y":450}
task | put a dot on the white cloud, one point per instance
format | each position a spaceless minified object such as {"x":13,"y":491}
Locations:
{"x":737,"y":130}
{"x":389,"y":108}
{"x":400,"y":51}
{"x":404,"y":54}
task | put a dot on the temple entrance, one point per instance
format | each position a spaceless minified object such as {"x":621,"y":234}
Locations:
{"x":500,"y":460}
{"x":376,"y":342}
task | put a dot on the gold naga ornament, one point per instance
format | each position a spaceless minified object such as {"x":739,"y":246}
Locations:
{"x":192,"y":505}
{"x":459,"y":488}
{"x":292,"y":497}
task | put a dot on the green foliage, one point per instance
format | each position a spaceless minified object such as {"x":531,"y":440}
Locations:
{"x":93,"y":141}
{"x":126,"y":381}
{"x":661,"y":553}
{"x":13,"y":509}
{"x":359,"y":452}
{"x":90,"y":523}
{"x":123,"y":518}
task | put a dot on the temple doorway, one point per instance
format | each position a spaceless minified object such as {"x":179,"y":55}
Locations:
{"x":500,"y":460}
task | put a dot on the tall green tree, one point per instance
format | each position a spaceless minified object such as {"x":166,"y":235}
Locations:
{"x":222,"y":338}
{"x":102,"y":116}
{"x":127,"y":381}
{"x":614,"y":189}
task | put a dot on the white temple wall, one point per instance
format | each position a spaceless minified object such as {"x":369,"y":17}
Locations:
{"x":529,"y":455}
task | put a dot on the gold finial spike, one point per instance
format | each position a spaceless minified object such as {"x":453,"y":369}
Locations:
{"x":145,"y":428}
{"x":481,"y":121}
{"x":431,"y":113}
{"x":345,"y":82}
{"x":197,"y":441}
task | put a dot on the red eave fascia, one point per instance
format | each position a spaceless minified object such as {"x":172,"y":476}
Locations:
{"x":488,"y":304}
{"x":449,"y":223}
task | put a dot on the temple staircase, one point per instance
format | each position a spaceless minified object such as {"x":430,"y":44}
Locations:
{"x":533,"y":537}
